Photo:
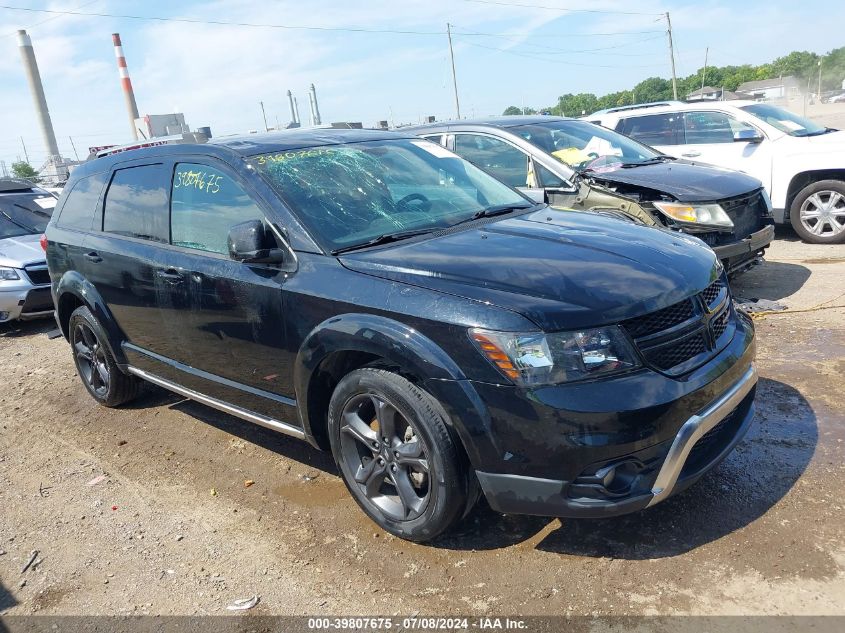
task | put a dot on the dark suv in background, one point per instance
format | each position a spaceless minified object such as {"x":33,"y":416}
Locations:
{"x":578,"y":165}
{"x":380,"y":297}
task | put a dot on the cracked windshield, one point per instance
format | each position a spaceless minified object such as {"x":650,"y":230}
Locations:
{"x":366,"y":193}
{"x":586,"y":147}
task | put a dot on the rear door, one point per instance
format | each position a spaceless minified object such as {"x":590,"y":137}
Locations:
{"x":125,"y":257}
{"x":664,"y":132}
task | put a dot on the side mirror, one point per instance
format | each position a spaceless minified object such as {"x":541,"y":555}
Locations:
{"x":537,"y":195}
{"x":250,"y":242}
{"x":748,"y":136}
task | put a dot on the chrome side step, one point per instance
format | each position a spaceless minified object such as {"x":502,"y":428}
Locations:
{"x":244,"y":414}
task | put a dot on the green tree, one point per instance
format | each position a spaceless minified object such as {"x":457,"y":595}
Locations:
{"x":22,"y":169}
{"x":512,"y":110}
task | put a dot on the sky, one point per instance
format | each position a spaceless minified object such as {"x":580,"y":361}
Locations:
{"x":391,"y":63}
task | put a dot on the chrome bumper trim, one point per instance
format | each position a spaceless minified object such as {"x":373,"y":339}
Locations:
{"x":692,"y":431}
{"x":244,"y":414}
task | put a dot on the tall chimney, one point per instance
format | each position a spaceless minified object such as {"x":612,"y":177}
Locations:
{"x":34,"y":79}
{"x":294,"y":117}
{"x":315,"y":111}
{"x":128,"y":93}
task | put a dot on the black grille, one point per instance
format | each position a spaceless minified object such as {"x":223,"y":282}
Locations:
{"x":676,"y":352}
{"x":39,"y":300}
{"x":660,"y":320}
{"x":720,"y":323}
{"x":38,"y":277}
{"x":746,"y":213}
{"x":712,"y":292}
{"x":669,"y":339}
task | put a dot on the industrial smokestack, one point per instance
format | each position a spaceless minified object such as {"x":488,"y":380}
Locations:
{"x":128,"y":93}
{"x":294,"y":117}
{"x":315,"y":110}
{"x":34,"y":79}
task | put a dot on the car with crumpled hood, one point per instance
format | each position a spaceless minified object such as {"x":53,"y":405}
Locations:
{"x":578,"y":165}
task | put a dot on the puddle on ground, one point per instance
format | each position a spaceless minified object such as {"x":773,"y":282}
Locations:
{"x":324,"y":490}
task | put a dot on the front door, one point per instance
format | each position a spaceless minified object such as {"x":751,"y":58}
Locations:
{"x":234,"y":331}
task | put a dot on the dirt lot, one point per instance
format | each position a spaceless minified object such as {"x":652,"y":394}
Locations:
{"x":172,"y":529}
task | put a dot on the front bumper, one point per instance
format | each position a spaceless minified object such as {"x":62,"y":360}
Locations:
{"x":608,"y":447}
{"x":25,"y":302}
{"x":739,"y":254}
{"x":515,"y":494}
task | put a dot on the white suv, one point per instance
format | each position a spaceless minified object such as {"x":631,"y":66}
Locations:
{"x":801,"y":163}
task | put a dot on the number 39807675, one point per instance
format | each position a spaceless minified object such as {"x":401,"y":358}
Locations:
{"x":209,"y":183}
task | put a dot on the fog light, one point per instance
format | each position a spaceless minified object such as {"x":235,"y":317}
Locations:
{"x":4,"y":316}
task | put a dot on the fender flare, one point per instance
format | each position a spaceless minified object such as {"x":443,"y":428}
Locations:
{"x":410,"y":350}
{"x":73,"y":283}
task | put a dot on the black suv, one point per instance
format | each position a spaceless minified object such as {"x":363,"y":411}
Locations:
{"x":380,"y":297}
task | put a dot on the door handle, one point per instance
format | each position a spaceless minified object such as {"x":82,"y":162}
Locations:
{"x":691,"y":154}
{"x":93,"y":257}
{"x":171,"y":275}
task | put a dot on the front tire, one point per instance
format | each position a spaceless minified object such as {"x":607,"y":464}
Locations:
{"x":95,"y":364}
{"x":818,"y":212}
{"x":397,"y":456}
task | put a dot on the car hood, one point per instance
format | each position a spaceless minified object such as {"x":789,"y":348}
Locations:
{"x":17,"y":252}
{"x":687,"y":182}
{"x":561,"y":269}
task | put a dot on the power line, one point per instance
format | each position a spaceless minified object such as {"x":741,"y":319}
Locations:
{"x":559,"y":61}
{"x":539,"y":6}
{"x":153,"y":18}
{"x":55,"y":17}
{"x":571,"y":51}
{"x":515,"y":34}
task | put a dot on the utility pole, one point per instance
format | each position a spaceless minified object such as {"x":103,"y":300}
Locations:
{"x":263,"y":115}
{"x":454,"y":76}
{"x":820,"y":80}
{"x":704,"y":74}
{"x":25,"y":155}
{"x":672,"y":58}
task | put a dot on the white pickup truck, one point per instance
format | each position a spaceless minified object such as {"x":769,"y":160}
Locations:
{"x":801,"y":163}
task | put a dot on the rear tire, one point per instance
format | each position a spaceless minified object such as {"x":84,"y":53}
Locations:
{"x":95,"y":364}
{"x":818,"y":212}
{"x":397,"y":456}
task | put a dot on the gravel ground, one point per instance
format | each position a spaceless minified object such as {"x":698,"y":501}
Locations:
{"x":145,"y":509}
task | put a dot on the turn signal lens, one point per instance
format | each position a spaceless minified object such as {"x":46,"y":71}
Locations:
{"x":43,"y":242}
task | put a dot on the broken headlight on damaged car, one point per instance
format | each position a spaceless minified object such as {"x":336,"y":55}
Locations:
{"x":533,"y":359}
{"x":704,"y":216}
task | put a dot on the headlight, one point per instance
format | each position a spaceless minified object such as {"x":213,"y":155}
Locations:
{"x":531,"y":359}
{"x":8,"y":274}
{"x":704,"y":215}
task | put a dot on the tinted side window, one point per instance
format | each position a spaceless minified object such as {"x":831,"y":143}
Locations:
{"x":136,"y":203}
{"x":548,"y":179}
{"x":711,"y":127}
{"x":653,"y":129}
{"x":501,"y":159}
{"x":205,"y":204}
{"x":79,"y":207}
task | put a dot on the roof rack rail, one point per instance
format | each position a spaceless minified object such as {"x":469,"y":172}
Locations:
{"x":644,"y":105}
{"x":187,"y":137}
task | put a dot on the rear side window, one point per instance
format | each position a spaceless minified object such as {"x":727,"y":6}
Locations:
{"x":205,"y":204}
{"x":136,"y":203}
{"x":654,"y":129}
{"x":79,"y":207}
{"x":499,"y":158}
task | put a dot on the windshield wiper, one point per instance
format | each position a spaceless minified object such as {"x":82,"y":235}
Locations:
{"x":384,"y":238}
{"x":647,"y":161}
{"x":489,"y":212}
